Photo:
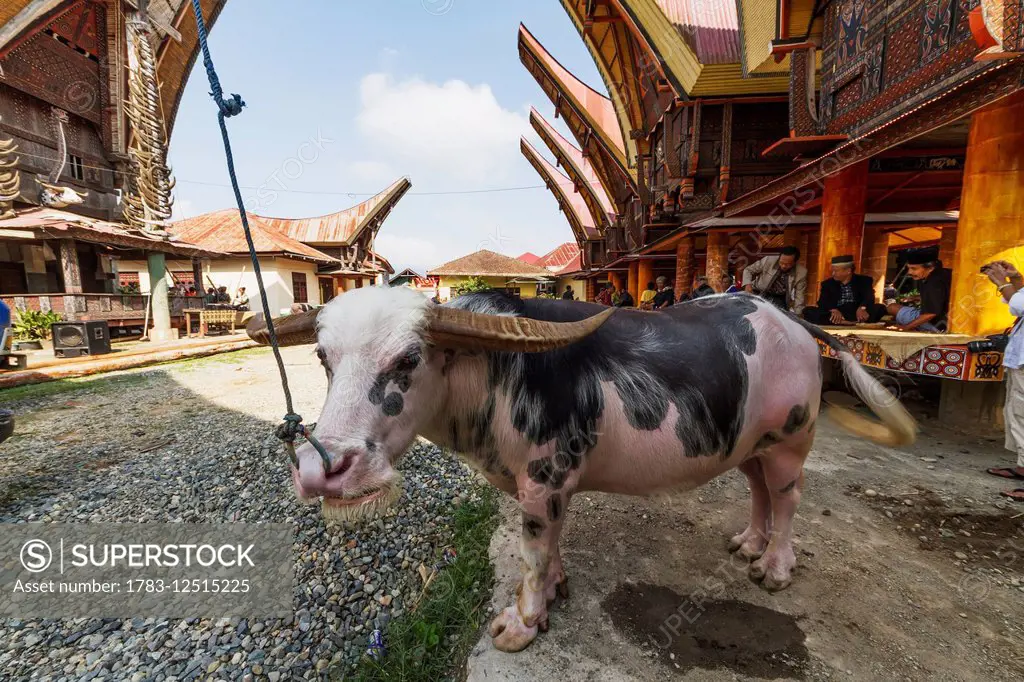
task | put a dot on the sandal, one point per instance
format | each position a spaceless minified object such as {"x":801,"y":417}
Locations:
{"x":1016,"y":494}
{"x":1005,"y":472}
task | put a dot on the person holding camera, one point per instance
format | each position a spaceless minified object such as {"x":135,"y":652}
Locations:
{"x":1011,"y":287}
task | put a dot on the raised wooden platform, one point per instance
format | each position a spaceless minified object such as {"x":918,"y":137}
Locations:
{"x":946,"y":358}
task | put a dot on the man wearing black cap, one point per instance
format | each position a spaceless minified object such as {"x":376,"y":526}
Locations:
{"x":933,"y":283}
{"x":845,"y":297}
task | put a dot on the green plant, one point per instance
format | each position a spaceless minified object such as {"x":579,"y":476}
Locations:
{"x":469,"y":285}
{"x":432,"y":641}
{"x":34,"y":325}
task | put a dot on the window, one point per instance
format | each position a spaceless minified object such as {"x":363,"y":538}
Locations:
{"x":299,"y":287}
{"x":77,"y":167}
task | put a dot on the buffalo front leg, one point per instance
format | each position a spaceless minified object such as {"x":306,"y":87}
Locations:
{"x":751,"y":543}
{"x":543,"y":511}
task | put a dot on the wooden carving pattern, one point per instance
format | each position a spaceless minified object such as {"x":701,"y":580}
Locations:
{"x":936,"y":28}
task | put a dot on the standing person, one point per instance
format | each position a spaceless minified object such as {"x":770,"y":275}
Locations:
{"x":666,"y":296}
{"x":625,"y":299}
{"x":845,"y":297}
{"x":647,"y":297}
{"x":567,"y":295}
{"x":1011,"y":286}
{"x":934,"y":283}
{"x":779,"y":279}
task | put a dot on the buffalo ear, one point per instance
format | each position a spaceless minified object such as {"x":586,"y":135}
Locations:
{"x":291,"y":330}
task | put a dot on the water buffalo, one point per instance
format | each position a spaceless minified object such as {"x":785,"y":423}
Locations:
{"x":548,"y":398}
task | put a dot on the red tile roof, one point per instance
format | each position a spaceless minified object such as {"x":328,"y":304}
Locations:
{"x":486,"y":263}
{"x":530,"y":258}
{"x":563,"y":259}
{"x":341,"y":228}
{"x":222,"y":231}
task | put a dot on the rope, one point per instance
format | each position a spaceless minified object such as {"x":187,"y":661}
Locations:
{"x":292,"y":424}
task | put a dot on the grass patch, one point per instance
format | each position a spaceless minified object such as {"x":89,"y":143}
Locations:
{"x":433,"y":642}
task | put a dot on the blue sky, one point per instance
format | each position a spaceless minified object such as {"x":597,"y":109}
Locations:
{"x":365,"y":92}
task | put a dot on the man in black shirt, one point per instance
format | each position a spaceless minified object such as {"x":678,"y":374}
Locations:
{"x":845,"y":297}
{"x":568,"y":295}
{"x":625,"y":299}
{"x":933,"y":283}
{"x":666,"y":296}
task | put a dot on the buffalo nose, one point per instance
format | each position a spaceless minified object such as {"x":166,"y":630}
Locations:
{"x":311,"y":476}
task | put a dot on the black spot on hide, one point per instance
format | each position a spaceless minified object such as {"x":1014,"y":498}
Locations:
{"x":554,"y":507}
{"x":532,"y":526}
{"x":797,"y":419}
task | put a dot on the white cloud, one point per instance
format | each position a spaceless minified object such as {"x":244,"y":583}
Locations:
{"x":455,"y":130}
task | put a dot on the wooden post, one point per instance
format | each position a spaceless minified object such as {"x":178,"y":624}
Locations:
{"x":197,"y":276}
{"x":991,"y":216}
{"x":161,"y":330}
{"x":69,"y":267}
{"x":632,"y":280}
{"x":842,"y":216}
{"x":792,"y":236}
{"x":809,"y":255}
{"x":718,"y":259}
{"x":588,"y":289}
{"x":684,"y":266}
{"x":947,"y":245}
{"x":645,"y":275}
{"x":876,"y":258}
{"x":616,"y":279}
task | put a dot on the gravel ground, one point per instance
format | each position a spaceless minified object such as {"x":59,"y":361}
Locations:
{"x":82,"y":456}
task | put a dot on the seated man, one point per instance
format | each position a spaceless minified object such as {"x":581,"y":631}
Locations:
{"x":624,"y":299}
{"x":779,"y":279}
{"x":701,"y":288}
{"x":933,"y":283}
{"x":845,"y":297}
{"x":666,"y":295}
{"x":241,"y":300}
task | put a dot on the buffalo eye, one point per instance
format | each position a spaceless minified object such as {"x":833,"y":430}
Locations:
{"x":323,"y":361}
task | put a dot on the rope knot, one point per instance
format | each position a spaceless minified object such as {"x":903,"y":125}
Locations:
{"x":231,"y":106}
{"x":290,"y":428}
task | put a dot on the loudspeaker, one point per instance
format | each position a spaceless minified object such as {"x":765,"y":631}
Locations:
{"x":73,"y":339}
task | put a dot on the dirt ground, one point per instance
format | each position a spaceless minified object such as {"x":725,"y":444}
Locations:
{"x":911,"y":567}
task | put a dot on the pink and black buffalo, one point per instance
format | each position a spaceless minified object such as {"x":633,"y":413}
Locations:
{"x":547,"y":398}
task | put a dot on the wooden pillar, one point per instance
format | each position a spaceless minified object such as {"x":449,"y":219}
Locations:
{"x":69,"y":267}
{"x":947,"y":245}
{"x":717,"y":259}
{"x":633,"y":278}
{"x":588,"y":289}
{"x":616,"y":279}
{"x":793,"y":236}
{"x":842,"y":216}
{"x":645,"y":275}
{"x":991,"y":215}
{"x":159,"y":308}
{"x":684,"y":266}
{"x":809,"y":255}
{"x":875,"y":258}
{"x":197,"y":276}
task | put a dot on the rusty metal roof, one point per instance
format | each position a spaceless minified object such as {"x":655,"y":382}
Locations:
{"x":710,"y":28}
{"x":222,"y":231}
{"x":343,"y":227}
{"x":583,"y":224}
{"x":563,"y":259}
{"x":596,"y":105}
{"x":52,"y":223}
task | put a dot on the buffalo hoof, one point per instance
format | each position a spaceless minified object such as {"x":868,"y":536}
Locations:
{"x":748,"y":545}
{"x":510,"y":634}
{"x":773,"y":571}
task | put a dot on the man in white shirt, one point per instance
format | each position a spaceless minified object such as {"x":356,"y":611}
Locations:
{"x":1011,"y":286}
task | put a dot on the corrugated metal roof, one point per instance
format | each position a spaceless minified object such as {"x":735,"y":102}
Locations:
{"x":222,"y":231}
{"x":599,"y":107}
{"x":586,"y":170}
{"x":563,"y":258}
{"x":710,"y":27}
{"x":64,"y":224}
{"x":562,"y":187}
{"x":486,"y":263}
{"x":341,"y":228}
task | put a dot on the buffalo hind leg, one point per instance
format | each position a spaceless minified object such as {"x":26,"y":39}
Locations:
{"x":543,"y":511}
{"x":751,"y":543}
{"x":784,"y":477}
